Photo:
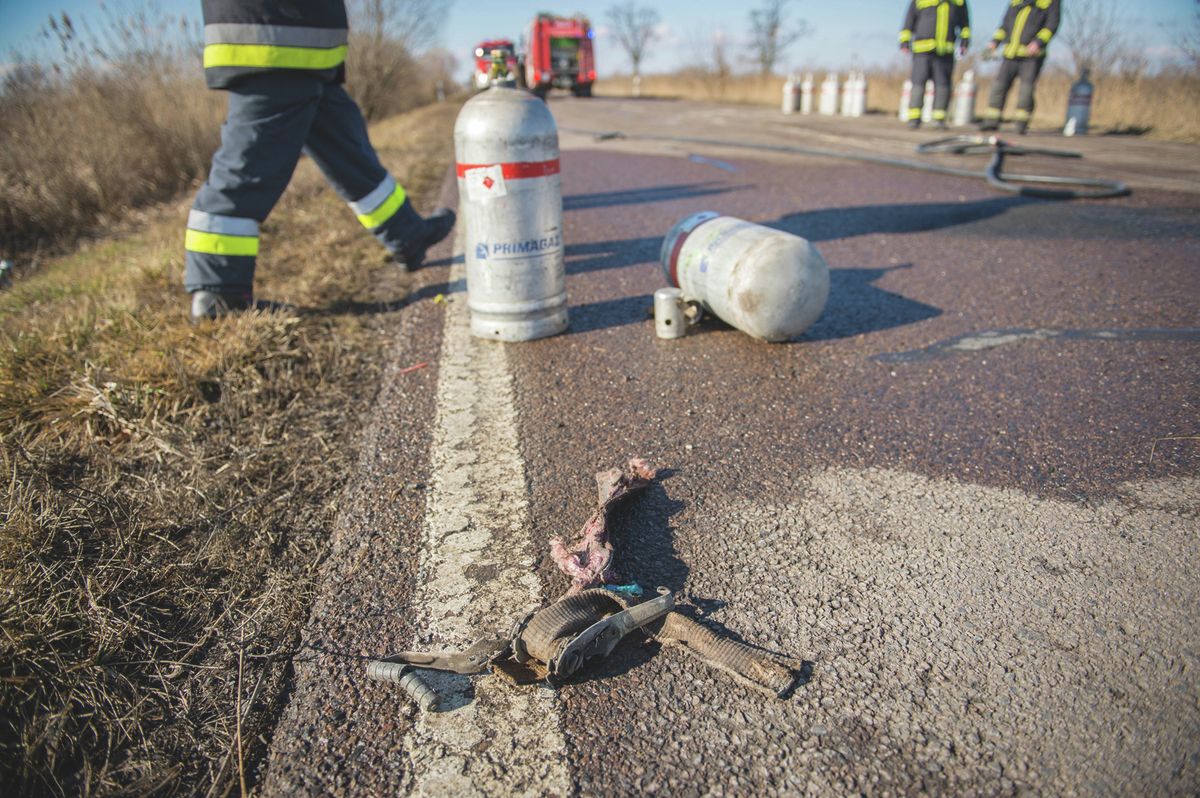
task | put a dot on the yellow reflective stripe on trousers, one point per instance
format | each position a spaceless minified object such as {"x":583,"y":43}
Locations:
{"x":385,"y":211}
{"x":272,"y":56}
{"x":219,"y":244}
{"x":1014,"y":44}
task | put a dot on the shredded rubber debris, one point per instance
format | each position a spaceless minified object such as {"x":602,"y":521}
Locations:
{"x":589,"y":561}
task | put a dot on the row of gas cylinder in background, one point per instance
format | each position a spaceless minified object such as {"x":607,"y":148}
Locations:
{"x":850,"y":98}
{"x":767,"y":283}
{"x":832,"y":97}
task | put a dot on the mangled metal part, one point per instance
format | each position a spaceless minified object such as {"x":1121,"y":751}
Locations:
{"x":552,"y":642}
{"x":589,"y":561}
{"x":750,"y":666}
{"x":590,"y":564}
{"x":474,"y":660}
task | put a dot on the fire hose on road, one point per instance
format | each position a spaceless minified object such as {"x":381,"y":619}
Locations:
{"x":1024,"y":185}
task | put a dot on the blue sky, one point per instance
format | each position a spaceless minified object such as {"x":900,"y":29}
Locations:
{"x":841,"y":38}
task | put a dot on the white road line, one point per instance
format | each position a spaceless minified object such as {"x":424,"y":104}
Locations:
{"x":477,"y":574}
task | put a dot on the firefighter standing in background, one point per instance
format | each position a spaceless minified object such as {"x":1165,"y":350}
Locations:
{"x":282,"y":63}
{"x":1026,"y":30}
{"x":931,"y":28}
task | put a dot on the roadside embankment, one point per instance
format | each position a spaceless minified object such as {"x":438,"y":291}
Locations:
{"x":170,"y":488}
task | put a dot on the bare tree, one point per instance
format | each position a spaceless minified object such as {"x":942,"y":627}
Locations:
{"x":1097,"y":35}
{"x":384,"y":36}
{"x":1189,"y":40}
{"x":771,"y":34}
{"x":635,"y":27}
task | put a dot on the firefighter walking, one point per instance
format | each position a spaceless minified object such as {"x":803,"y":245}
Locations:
{"x":283,"y":65}
{"x":1024,"y":33}
{"x":931,"y":28}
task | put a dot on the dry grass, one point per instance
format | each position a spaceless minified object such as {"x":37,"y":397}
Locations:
{"x":170,"y":489}
{"x":1165,"y":106}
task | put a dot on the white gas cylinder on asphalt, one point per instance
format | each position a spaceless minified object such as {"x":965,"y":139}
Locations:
{"x":905,"y":100}
{"x":829,"y":95}
{"x":860,"y":95}
{"x":806,"y":94}
{"x":510,"y":196}
{"x":927,"y":104}
{"x":1079,"y":107}
{"x":847,"y":106}
{"x":964,"y":100}
{"x":767,"y":283}
{"x":791,"y":91}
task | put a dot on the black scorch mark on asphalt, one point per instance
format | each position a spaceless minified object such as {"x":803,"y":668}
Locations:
{"x":991,"y":339}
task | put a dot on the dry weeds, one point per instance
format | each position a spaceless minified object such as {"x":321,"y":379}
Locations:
{"x":170,"y":489}
{"x":1165,"y":106}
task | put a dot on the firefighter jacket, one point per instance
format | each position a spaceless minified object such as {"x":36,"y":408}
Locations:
{"x":243,"y":37}
{"x":931,"y":26}
{"x":1024,"y":21}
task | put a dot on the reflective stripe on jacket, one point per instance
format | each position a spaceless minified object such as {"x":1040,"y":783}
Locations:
{"x":243,"y":37}
{"x":1026,"y":20}
{"x":932,"y":26}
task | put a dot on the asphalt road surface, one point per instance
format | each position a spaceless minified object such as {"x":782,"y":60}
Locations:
{"x":967,"y":498}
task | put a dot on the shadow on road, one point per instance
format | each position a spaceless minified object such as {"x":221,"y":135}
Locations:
{"x":635,"y":196}
{"x":599,"y":255}
{"x":610,"y":313}
{"x":856,"y":306}
{"x":831,"y":224}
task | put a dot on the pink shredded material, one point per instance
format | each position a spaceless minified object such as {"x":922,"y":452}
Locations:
{"x":589,"y":562}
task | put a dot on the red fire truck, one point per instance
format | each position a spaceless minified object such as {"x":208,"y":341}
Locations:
{"x":559,"y":54}
{"x":483,"y":60}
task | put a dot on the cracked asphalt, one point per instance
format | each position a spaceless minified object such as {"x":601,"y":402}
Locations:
{"x":967,"y":497}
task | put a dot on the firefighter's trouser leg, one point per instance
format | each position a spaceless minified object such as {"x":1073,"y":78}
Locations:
{"x":1028,"y":69}
{"x":272,"y":118}
{"x":943,"y":73}
{"x":922,"y":72}
{"x":1000,"y":86}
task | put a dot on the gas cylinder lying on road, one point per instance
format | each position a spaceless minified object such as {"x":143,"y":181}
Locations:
{"x":767,"y":283}
{"x":510,"y":194}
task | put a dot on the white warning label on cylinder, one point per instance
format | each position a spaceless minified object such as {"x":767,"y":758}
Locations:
{"x":485,"y":182}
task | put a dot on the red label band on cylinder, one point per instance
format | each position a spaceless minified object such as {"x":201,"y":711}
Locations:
{"x":515,"y":171}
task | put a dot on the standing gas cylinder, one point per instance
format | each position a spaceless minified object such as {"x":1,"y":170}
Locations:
{"x":791,"y":90}
{"x":905,"y":100}
{"x":927,"y":103}
{"x":506,"y":146}
{"x":860,"y":95}
{"x":829,"y":95}
{"x":769,"y":284}
{"x":964,"y":100}
{"x":1079,"y":106}
{"x":806,"y":94}
{"x":847,"y":106}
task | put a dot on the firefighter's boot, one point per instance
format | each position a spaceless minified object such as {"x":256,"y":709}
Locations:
{"x":989,"y":124}
{"x":1022,"y":127}
{"x":417,"y":235}
{"x":215,"y":304}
